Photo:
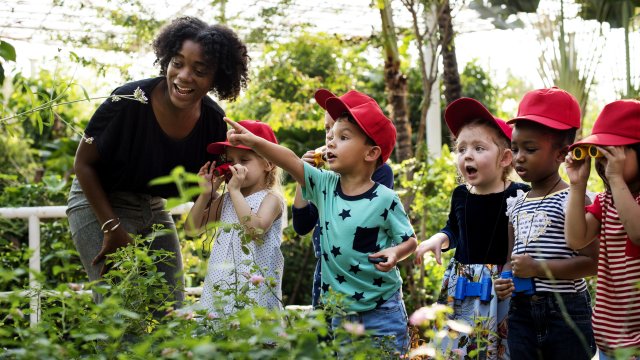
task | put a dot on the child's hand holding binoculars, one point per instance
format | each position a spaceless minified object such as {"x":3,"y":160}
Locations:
{"x":213,"y":176}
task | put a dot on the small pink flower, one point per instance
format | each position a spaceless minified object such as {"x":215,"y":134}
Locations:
{"x":256,"y":279}
{"x":354,"y":328}
{"x":212,"y":316}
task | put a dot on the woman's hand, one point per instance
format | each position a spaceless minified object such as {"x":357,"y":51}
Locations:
{"x":239,"y":173}
{"x":113,"y":240}
{"x":504,"y":288}
{"x":210,"y":182}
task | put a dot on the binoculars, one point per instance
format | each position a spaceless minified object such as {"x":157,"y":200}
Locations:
{"x":524,"y":286}
{"x":581,"y":152}
{"x":223,"y":170}
{"x":319,"y":157}
{"x":466,"y":288}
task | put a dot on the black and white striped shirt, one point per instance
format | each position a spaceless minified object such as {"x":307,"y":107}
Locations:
{"x":538,"y":225}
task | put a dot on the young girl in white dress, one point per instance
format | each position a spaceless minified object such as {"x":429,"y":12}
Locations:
{"x":246,"y":264}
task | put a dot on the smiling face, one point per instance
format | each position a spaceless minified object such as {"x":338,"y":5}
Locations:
{"x":480,"y":160}
{"x":189,"y":78}
{"x":535,"y":155}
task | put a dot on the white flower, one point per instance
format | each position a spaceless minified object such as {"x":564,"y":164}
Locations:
{"x":138,"y":94}
{"x":115,"y":98}
{"x":168,"y":351}
{"x":88,"y":140}
{"x":354,"y":328}
{"x":423,"y":350}
{"x":459,"y":326}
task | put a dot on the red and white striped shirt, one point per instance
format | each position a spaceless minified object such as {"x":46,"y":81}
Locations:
{"x":616,"y":316}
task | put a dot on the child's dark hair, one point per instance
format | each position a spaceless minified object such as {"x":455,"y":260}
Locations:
{"x":559,"y":138}
{"x":601,"y":170}
{"x":221,"y":47}
{"x":368,"y":140}
{"x":500,"y":139}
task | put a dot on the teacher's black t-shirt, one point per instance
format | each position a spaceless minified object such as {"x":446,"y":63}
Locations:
{"x":135,"y":150}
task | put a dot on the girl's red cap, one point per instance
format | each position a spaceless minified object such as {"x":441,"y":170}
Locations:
{"x":618,"y":124}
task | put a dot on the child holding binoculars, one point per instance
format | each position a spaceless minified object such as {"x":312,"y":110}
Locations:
{"x":613,"y":220}
{"x":550,"y":315}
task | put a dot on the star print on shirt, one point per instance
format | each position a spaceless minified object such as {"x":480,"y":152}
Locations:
{"x":406,"y":237}
{"x":378,"y":282}
{"x":358,"y":295}
{"x":326,"y":225}
{"x":325,"y":287}
{"x":355,"y":268}
{"x":380,"y":302}
{"x":324,"y":192}
{"x":325,"y":256}
{"x":385,"y":213}
{"x":340,"y":279}
{"x":335,"y":251}
{"x":393,"y":205}
{"x":371,"y":196}
{"x":345,"y":214}
{"x":311,"y":183}
{"x":319,"y":230}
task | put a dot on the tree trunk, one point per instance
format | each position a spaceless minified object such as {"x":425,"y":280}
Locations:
{"x":450,"y":74}
{"x":395,"y":86}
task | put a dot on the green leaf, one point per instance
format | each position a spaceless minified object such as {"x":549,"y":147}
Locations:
{"x":1,"y":74}
{"x":163,"y":180}
{"x":7,"y":51}
{"x":245,"y":250}
{"x":84,"y":91}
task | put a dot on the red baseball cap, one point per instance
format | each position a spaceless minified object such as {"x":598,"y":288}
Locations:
{"x":618,"y":124}
{"x":554,"y":108}
{"x":255,"y":127}
{"x":369,"y":117}
{"x":464,"y":110}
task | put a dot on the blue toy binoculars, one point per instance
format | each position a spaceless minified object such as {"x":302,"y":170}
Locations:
{"x":524,"y":286}
{"x":466,"y":288}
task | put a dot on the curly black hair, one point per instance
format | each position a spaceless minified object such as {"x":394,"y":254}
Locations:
{"x":222,"y":49}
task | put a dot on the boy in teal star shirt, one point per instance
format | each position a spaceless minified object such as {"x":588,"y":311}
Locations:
{"x":363,"y":221}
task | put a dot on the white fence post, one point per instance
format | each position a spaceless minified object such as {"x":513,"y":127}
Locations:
{"x":34,"y":268}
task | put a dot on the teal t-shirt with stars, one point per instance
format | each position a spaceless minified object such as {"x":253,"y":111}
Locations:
{"x":352,"y":227}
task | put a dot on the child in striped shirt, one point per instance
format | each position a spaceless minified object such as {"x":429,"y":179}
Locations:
{"x":613,"y":220}
{"x":550,"y":314}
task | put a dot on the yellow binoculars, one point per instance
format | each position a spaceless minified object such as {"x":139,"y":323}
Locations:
{"x":581,"y":152}
{"x":319,"y":158}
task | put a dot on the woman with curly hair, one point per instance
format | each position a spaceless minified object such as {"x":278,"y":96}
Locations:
{"x":128,"y":143}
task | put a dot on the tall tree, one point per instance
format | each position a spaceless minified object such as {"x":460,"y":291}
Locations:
{"x":395,"y":83}
{"x":450,"y":72}
{"x":618,"y":14}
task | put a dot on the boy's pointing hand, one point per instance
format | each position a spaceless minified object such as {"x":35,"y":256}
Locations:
{"x":238,"y":135}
